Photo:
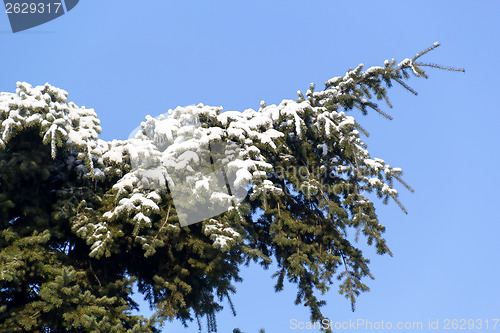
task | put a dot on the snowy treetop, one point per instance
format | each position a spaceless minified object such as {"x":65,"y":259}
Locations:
{"x":288,"y":181}
{"x":314,"y":131}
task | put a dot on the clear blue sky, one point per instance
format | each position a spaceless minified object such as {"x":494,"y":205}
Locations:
{"x":128,"y":59}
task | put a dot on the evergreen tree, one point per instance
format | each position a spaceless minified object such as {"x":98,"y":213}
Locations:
{"x":82,"y":219}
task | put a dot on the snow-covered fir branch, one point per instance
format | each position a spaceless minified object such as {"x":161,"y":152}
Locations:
{"x":291,"y":179}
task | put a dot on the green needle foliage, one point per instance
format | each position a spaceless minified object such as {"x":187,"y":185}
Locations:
{"x":79,"y":226}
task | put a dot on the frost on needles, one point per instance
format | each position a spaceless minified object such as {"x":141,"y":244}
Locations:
{"x":303,"y":163}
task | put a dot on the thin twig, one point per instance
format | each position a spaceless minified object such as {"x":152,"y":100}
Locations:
{"x":442,"y":67}
{"x":163,"y":225}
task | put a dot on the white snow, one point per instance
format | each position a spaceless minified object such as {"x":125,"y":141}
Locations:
{"x":169,"y":149}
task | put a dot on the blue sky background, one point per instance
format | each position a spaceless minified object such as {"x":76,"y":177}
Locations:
{"x":128,"y":59}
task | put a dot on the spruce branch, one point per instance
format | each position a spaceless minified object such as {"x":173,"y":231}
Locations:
{"x":446,"y":68}
{"x":403,"y":183}
{"x":309,"y":229}
{"x":427,"y":50}
{"x":407,"y":87}
{"x":349,"y":285}
{"x":399,"y":204}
